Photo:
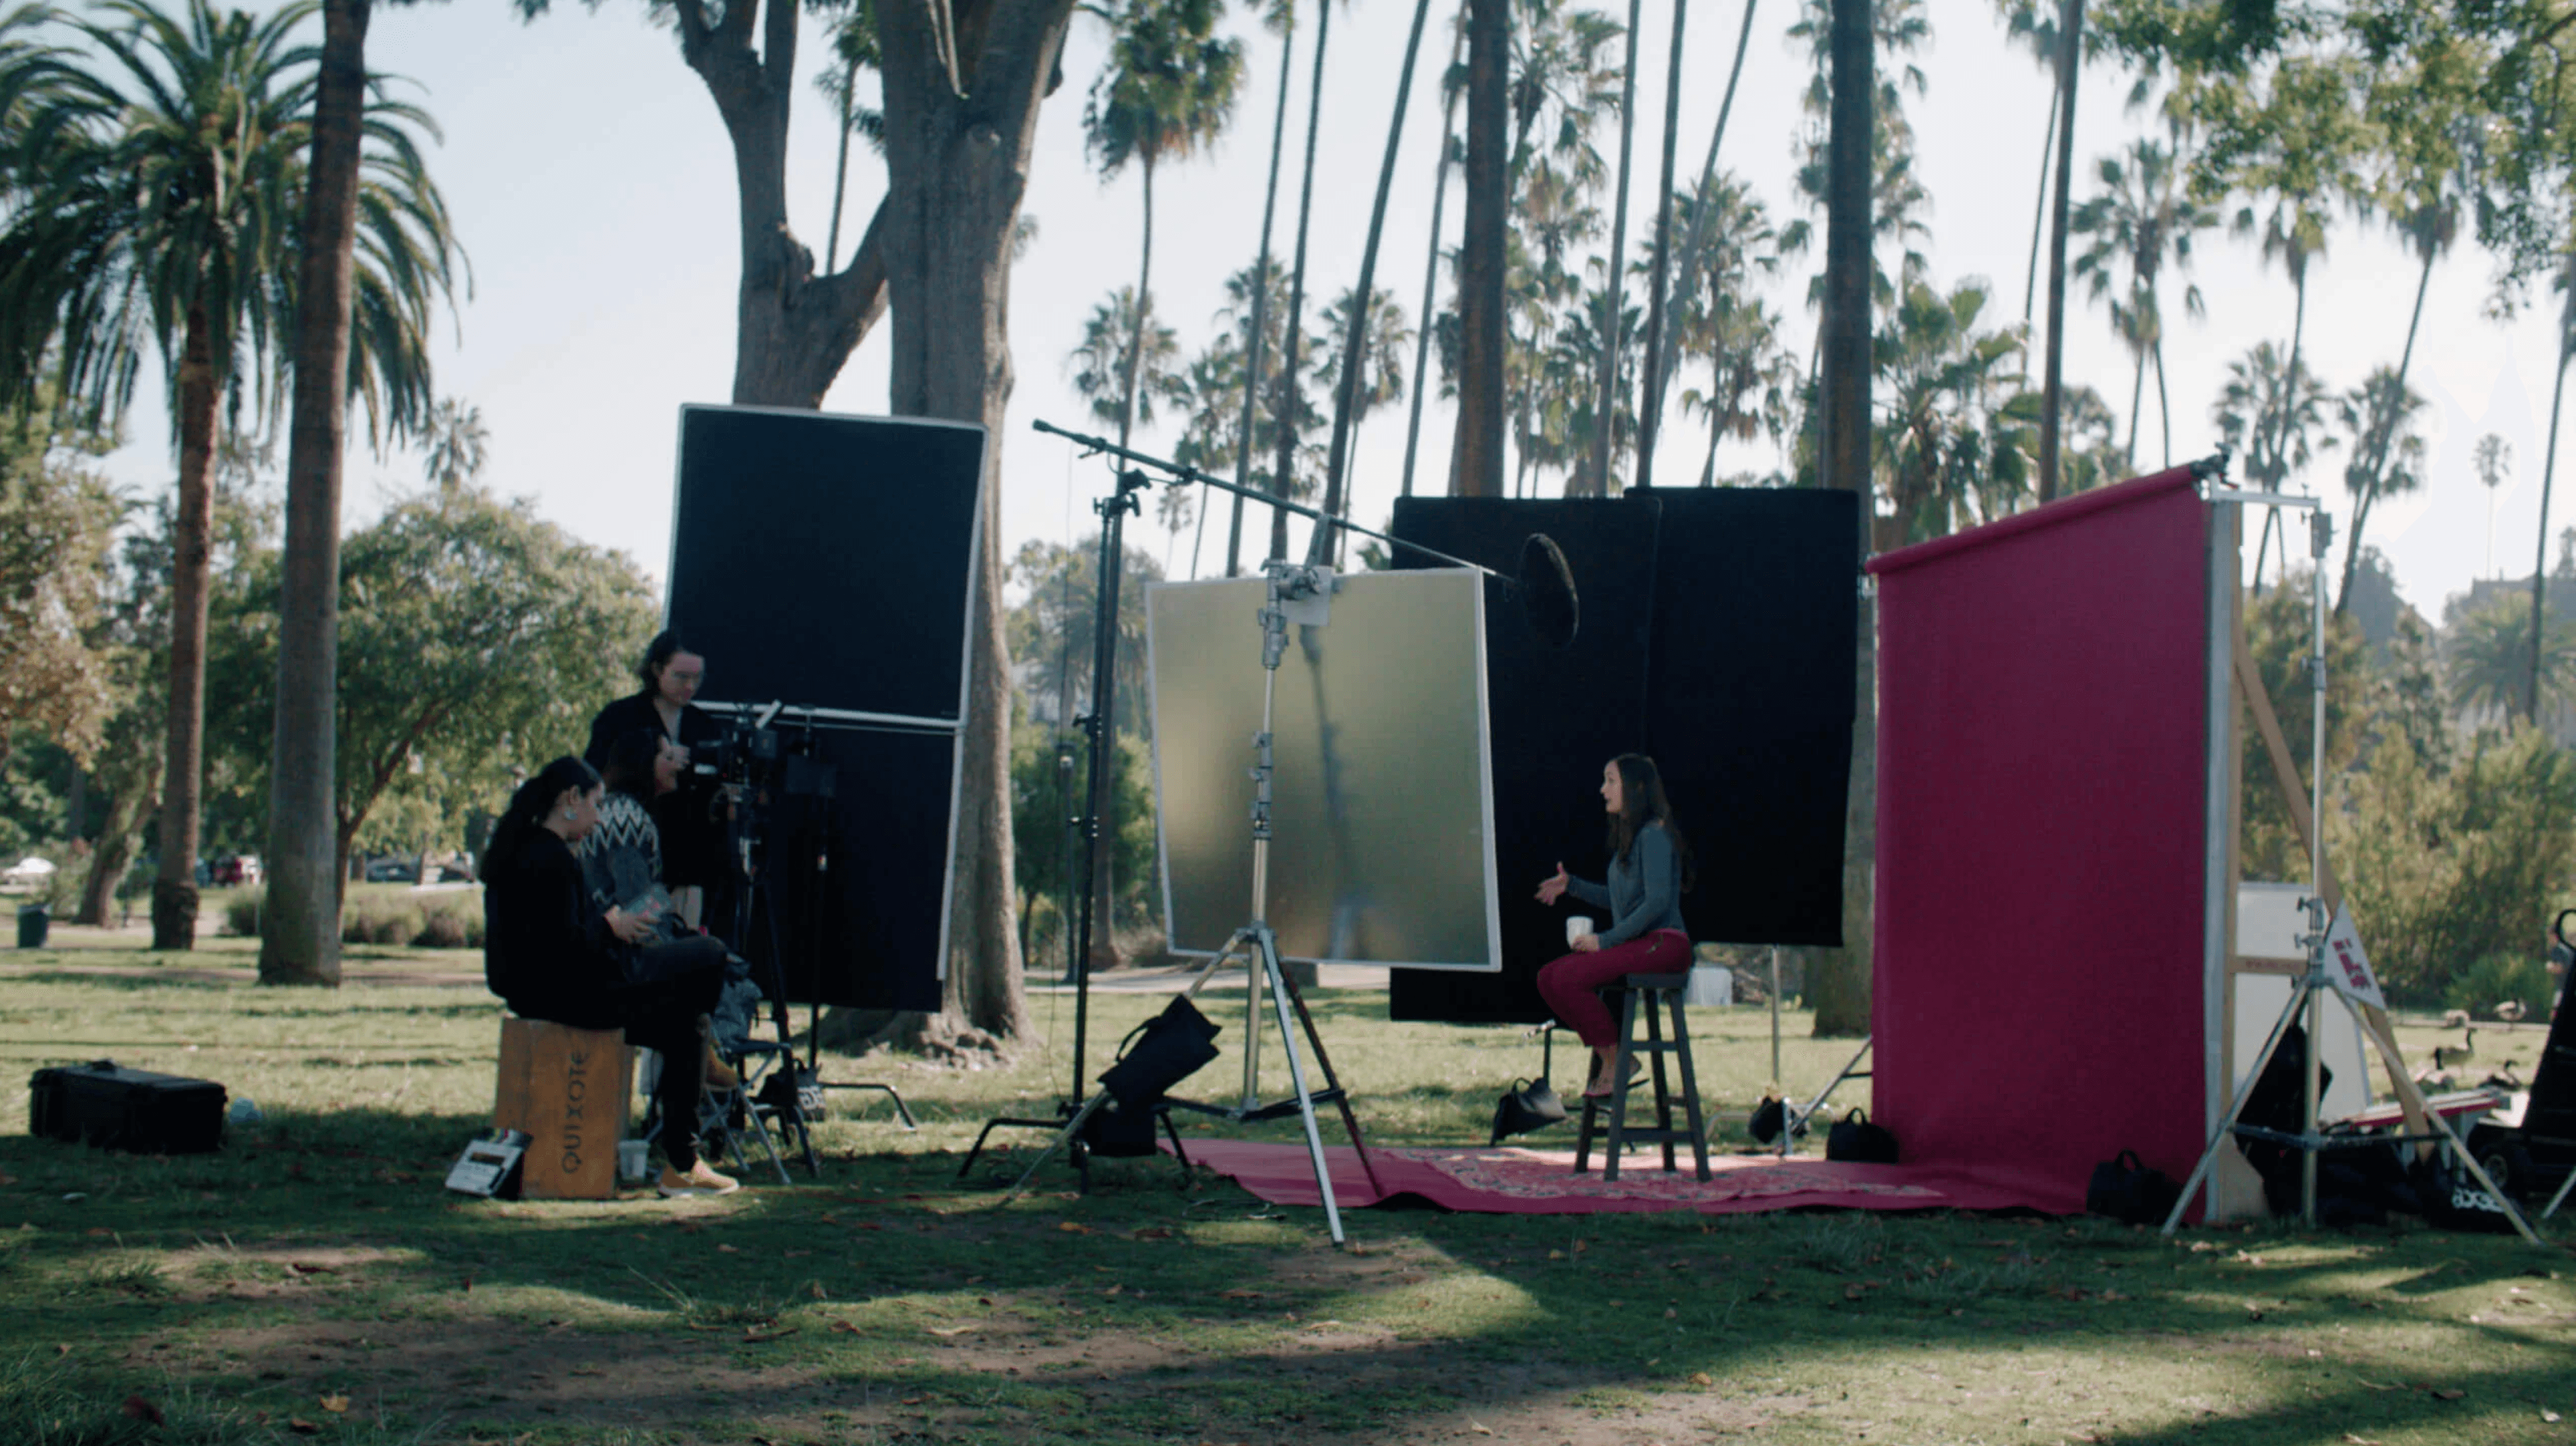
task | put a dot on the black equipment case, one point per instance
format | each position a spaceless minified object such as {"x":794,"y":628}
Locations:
{"x":105,"y":1104}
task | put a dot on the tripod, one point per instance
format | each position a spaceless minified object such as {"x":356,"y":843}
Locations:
{"x":1301,"y":594}
{"x":2330,"y":934}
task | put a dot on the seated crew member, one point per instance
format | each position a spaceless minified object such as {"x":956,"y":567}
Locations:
{"x":552,"y":956}
{"x":621,"y":865}
{"x":693,"y":864}
{"x":1650,"y":867}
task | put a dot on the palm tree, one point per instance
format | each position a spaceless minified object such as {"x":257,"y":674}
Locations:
{"x":2142,"y":218}
{"x":1169,"y":90}
{"x":1380,"y":379}
{"x":2487,"y":660}
{"x":2293,"y":232}
{"x":1453,"y":84}
{"x":1718,"y":320}
{"x":458,"y":443}
{"x":158,"y":200}
{"x":1284,"y":467}
{"x":1608,"y":403}
{"x":2494,"y":459}
{"x":2430,"y":224}
{"x":1957,"y":438}
{"x":1127,"y":362}
{"x":2387,"y":457}
{"x":2548,"y":473}
{"x":1282,"y":18}
{"x":2070,"y":64}
{"x":1663,"y":347}
{"x":2275,"y":427}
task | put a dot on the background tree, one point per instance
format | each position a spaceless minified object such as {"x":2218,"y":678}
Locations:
{"x":2141,"y":220}
{"x":1380,"y":379}
{"x":2387,"y":457}
{"x":1717,"y":319}
{"x":2494,"y":462}
{"x":470,"y":632}
{"x":161,"y":190}
{"x":962,"y":85}
{"x":454,"y":444}
{"x":1169,"y":90}
{"x":57,"y":528}
{"x":1957,"y":435}
{"x":2548,"y":473}
{"x":2487,"y":662}
{"x":2274,"y":426}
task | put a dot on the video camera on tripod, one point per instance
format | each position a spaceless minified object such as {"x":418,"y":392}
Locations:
{"x":744,"y":755}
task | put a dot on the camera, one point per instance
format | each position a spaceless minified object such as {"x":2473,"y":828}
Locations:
{"x":745,"y":752}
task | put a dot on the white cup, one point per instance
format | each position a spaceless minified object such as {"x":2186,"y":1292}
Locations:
{"x":630,"y":1161}
{"x":1576,"y":926}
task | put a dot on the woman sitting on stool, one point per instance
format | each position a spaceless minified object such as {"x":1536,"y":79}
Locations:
{"x":621,"y":863}
{"x":551,"y":956}
{"x":1650,"y":867}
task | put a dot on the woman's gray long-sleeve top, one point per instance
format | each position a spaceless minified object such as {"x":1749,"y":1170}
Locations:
{"x":1645,"y":889}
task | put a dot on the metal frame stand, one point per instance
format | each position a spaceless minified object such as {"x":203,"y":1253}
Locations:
{"x":1300,"y":594}
{"x":2305,"y":995}
{"x":1100,"y":735}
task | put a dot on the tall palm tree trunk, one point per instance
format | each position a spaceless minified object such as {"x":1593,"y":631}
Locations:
{"x":1136,"y":331}
{"x":1256,"y":335}
{"x":2070,"y":63}
{"x":2281,"y":430}
{"x":2137,"y":400}
{"x":174,"y":891}
{"x":1431,"y":264}
{"x":1323,"y":545}
{"x":2383,"y":435}
{"x":2548,"y":473}
{"x":1697,"y":237}
{"x":2164,"y":407}
{"x":841,"y":165}
{"x":1839,"y":979}
{"x":1606,"y":415}
{"x":2038,"y":229}
{"x":1476,"y":461}
{"x":1650,"y":402}
{"x":300,"y":916}
{"x":1290,"y":392}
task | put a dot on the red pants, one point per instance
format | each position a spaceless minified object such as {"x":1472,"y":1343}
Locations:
{"x":1568,"y":984}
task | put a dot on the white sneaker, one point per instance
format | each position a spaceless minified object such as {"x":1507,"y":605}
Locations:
{"x":700,"y":1180}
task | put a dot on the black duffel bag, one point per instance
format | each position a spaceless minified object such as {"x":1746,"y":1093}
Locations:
{"x":1855,"y":1141}
{"x":1160,"y":1053}
{"x":2127,"y":1191}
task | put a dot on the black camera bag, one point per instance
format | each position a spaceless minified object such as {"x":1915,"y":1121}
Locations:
{"x":105,"y":1104}
{"x":2126,"y":1190}
{"x":1855,"y":1141}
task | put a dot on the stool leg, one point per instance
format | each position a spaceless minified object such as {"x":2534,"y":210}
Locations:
{"x":1583,"y":1135}
{"x":1690,"y":1091}
{"x":1619,"y":1058}
{"x":1663,"y":1095}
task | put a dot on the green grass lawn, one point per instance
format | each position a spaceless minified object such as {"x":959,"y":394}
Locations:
{"x":313,"y":1282}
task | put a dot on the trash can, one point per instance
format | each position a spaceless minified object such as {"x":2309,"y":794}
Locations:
{"x":34,"y":920}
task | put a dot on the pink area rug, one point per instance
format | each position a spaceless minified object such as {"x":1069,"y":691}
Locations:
{"x":1543,"y":1182}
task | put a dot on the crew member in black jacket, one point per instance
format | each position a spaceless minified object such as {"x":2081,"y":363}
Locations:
{"x":694,"y":867}
{"x":552,"y":956}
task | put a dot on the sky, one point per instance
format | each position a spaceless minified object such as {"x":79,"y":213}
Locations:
{"x":592,"y":185}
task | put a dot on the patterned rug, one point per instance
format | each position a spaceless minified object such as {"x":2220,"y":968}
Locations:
{"x":1549,"y":1175}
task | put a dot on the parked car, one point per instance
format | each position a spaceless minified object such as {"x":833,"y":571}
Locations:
{"x":393,"y":871}
{"x":237,"y":870}
{"x":29,"y":872}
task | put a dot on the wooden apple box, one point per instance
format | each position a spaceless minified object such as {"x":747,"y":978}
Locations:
{"x":567,"y":1088}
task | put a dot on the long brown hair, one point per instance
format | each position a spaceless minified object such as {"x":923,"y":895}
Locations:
{"x":1642,"y":801}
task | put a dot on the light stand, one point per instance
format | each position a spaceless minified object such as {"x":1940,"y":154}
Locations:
{"x":1101,"y":737}
{"x":2307,"y":995}
{"x":1301,"y":594}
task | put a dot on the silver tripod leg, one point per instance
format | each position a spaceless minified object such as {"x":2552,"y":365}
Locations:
{"x":2561,"y":1197}
{"x":1297,"y":1075}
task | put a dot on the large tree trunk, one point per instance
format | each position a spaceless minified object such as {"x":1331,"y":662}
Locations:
{"x":174,"y":892}
{"x":2038,"y":230}
{"x":1104,"y":790}
{"x":1324,"y":545}
{"x":956,"y":170}
{"x":1838,"y":980}
{"x":1284,"y":462}
{"x":2070,"y":64}
{"x":1697,"y":236}
{"x":300,"y":917}
{"x":1256,"y":334}
{"x":1477,"y":468}
{"x":793,"y":330}
{"x":126,"y":810}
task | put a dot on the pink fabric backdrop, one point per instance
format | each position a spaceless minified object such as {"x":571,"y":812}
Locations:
{"x":2042,"y":698}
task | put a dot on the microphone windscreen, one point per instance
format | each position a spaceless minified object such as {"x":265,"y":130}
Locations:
{"x":1547,"y":592}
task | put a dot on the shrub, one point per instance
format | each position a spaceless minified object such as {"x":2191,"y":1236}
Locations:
{"x":366,"y":920}
{"x":241,"y":912}
{"x":450,"y":921}
{"x":2499,"y":977}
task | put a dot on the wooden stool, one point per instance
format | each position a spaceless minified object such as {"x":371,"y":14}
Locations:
{"x":1666,"y":991}
{"x":567,"y":1089}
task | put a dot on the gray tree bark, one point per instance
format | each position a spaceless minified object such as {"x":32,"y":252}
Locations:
{"x":1838,"y":980}
{"x":174,"y":892}
{"x":2070,"y":64}
{"x":957,"y":167}
{"x":1477,"y":457}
